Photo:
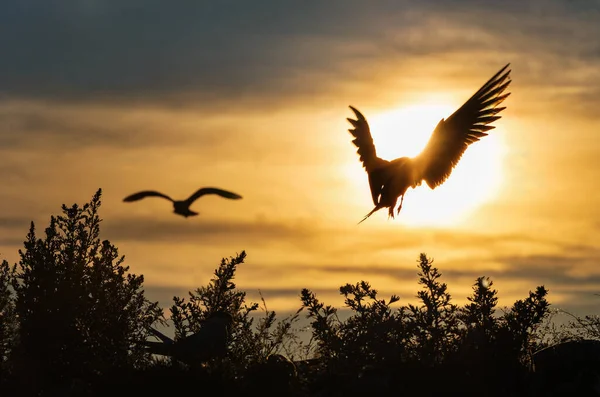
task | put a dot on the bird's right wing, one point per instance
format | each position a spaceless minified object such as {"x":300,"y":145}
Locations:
{"x":213,"y":190}
{"x":366,"y":150}
{"x":144,"y":194}
{"x":468,"y":124}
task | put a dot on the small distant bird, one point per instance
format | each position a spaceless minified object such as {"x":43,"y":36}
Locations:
{"x":182,"y":207}
{"x":209,"y":342}
{"x":389,"y":180}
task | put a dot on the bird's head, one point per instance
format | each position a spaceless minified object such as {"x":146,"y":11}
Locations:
{"x":220,"y":316}
{"x":186,"y":213}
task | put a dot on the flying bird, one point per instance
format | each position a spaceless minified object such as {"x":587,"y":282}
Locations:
{"x":389,"y":180}
{"x":182,"y":207}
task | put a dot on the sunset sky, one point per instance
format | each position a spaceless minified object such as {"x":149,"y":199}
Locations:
{"x":252,"y":97}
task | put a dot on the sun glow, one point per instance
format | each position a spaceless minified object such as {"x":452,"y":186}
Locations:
{"x":474,"y":181}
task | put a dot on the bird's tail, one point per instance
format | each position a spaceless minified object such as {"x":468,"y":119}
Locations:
{"x":160,"y":348}
{"x":377,"y":208}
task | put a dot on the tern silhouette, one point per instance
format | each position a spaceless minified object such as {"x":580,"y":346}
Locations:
{"x":210,"y":341}
{"x":182,"y":207}
{"x":389,"y":180}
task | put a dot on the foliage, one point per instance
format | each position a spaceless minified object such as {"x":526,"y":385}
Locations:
{"x":72,"y":314}
{"x":433,"y":324}
{"x":250,"y":342}
{"x":8,"y":320}
{"x":585,"y":327}
{"x":80,"y":312}
{"x":433,"y":339}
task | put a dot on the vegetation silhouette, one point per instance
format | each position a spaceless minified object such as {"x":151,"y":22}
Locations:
{"x":389,"y":180}
{"x":182,"y":207}
{"x":74,"y":321}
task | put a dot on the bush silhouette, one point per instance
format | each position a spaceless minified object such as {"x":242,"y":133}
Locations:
{"x":8,"y":320}
{"x":397,"y":351}
{"x":74,"y":320}
{"x":250,"y":343}
{"x":80,"y":312}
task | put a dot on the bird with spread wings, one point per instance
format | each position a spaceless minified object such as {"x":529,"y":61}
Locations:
{"x":389,"y":180}
{"x":182,"y":207}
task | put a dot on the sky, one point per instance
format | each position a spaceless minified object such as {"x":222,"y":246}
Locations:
{"x":253,"y":97}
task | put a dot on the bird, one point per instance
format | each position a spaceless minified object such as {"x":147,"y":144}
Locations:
{"x":572,"y":366}
{"x":209,"y":342}
{"x":389,"y":180}
{"x":182,"y":207}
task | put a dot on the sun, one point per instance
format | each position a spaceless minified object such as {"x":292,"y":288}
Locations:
{"x":474,"y":181}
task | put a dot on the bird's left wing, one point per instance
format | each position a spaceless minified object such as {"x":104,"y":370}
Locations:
{"x":367,"y":153}
{"x":213,"y":190}
{"x":144,"y":194}
{"x":468,"y":124}
{"x":164,"y":338}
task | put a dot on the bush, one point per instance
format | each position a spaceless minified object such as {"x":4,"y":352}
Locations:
{"x":81,"y":314}
{"x":73,"y":317}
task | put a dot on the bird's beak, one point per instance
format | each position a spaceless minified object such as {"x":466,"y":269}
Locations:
{"x":377,"y":208}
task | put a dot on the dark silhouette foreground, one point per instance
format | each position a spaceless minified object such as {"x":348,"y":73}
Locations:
{"x":389,"y":180}
{"x":182,"y":207}
{"x":75,"y":322}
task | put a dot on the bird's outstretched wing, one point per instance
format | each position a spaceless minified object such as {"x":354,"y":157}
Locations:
{"x":144,"y":194}
{"x":213,"y":190}
{"x":468,"y":124}
{"x":366,"y":150}
{"x":364,"y":142}
{"x":161,"y":336}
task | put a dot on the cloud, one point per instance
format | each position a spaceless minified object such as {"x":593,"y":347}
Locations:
{"x":363,"y":252}
{"x":143,"y":51}
{"x":103,"y":73}
{"x":565,"y":272}
{"x":147,"y":48}
{"x":164,"y":295}
{"x":566,"y":291}
{"x":11,"y":222}
{"x":14,"y":229}
{"x":38,"y":125}
{"x":208,"y":232}
{"x":562,"y":272}
{"x":336,"y":241}
{"x":32,"y":129}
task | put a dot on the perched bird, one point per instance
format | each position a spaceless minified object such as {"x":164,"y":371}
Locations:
{"x":570,"y":368}
{"x":182,"y":207}
{"x":389,"y":180}
{"x":209,"y":342}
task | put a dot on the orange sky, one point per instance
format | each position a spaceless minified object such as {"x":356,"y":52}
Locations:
{"x":262,"y":110}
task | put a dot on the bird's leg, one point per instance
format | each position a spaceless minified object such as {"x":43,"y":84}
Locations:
{"x":400,"y":206}
{"x":391,"y":210}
